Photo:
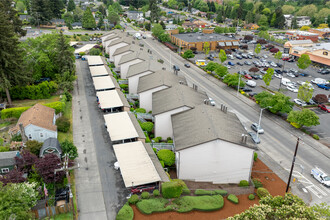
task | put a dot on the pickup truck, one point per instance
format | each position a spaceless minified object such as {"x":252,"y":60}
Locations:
{"x":320,"y":176}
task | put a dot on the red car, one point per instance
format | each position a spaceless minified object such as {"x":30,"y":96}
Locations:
{"x":325,"y":108}
{"x":285,"y":58}
{"x":247,"y":76}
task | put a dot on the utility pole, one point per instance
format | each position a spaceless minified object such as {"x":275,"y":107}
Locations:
{"x":292,"y":166}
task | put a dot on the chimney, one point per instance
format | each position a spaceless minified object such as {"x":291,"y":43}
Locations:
{"x":21,"y":128}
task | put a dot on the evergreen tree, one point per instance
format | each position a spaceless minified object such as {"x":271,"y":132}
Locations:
{"x":219,"y":18}
{"x":294,"y":23}
{"x":88,"y":20}
{"x":102,"y":10}
{"x":273,"y":20}
{"x":65,"y":58}
{"x":163,"y":25}
{"x":41,"y":11}
{"x":101,"y":23}
{"x":56,"y":6}
{"x":154,"y":10}
{"x":280,"y":20}
{"x":11,"y":60}
{"x":13,"y":17}
{"x":240,"y":10}
{"x":249,"y":17}
{"x":71,"y":5}
{"x":113,"y":18}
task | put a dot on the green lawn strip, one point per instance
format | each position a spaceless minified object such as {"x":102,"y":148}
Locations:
{"x":201,"y":203}
{"x":29,"y":102}
{"x":4,"y":124}
{"x":73,"y":190}
{"x":148,"y":206}
{"x":65,"y":216}
{"x":125,"y":213}
{"x":68,"y":114}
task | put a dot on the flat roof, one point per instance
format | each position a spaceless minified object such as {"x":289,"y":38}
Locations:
{"x":111,"y":99}
{"x":135,"y":164}
{"x":120,"y":126}
{"x":94,"y":60}
{"x":84,"y":48}
{"x":104,"y":82}
{"x":98,"y":71}
{"x":202,"y":37}
{"x":304,"y":33}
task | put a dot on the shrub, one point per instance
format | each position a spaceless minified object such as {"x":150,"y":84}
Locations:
{"x":262,"y":192}
{"x":140,"y":110}
{"x":169,"y":138}
{"x":68,"y":96}
{"x":255,"y":156}
{"x":148,"y":139}
{"x":106,"y":55}
{"x":95,"y":51}
{"x":134,"y":199}
{"x":171,"y":189}
{"x":167,"y":156}
{"x":63,"y":124}
{"x":162,"y":163}
{"x":170,"y":141}
{"x":39,"y":91}
{"x":1,"y":141}
{"x":320,"y":98}
{"x":186,"y":191}
{"x":58,"y":106}
{"x":202,"y":192}
{"x":159,"y":139}
{"x":243,"y":183}
{"x":220,"y":192}
{"x":148,"y":206}
{"x":155,"y":150}
{"x":16,"y":137}
{"x":145,"y":195}
{"x":251,"y":197}
{"x":155,"y":140}
{"x":132,"y":109}
{"x":257,"y":183}
{"x":125,"y":213}
{"x":316,"y":137}
{"x":34,"y":147}
{"x":233,"y":198}
{"x":13,"y":112}
{"x":156,"y":193}
{"x":147,"y":126}
{"x":201,"y":203}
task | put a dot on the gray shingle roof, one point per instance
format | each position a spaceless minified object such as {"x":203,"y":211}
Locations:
{"x":206,"y":123}
{"x":127,"y":40}
{"x":143,"y":67}
{"x":126,"y":48}
{"x":50,"y":142}
{"x":132,"y":56}
{"x":8,"y":158}
{"x":201,"y":37}
{"x":176,"y":97}
{"x":159,"y":78}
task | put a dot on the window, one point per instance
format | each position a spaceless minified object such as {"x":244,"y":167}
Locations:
{"x":30,"y":136}
{"x":50,"y":151}
{"x":5,"y":170}
{"x":41,"y":135}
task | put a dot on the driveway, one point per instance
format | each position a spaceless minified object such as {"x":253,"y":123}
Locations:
{"x":100,"y":188}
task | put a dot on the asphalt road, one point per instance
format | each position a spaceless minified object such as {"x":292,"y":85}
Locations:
{"x":279,"y":139}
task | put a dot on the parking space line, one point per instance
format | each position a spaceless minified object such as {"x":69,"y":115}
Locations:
{"x":313,"y":191}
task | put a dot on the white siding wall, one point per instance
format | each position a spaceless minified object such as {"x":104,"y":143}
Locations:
{"x":124,"y":67}
{"x":117,"y":57}
{"x":38,"y":133}
{"x":133,"y":81}
{"x":107,"y":43}
{"x":163,"y":123}
{"x":146,"y":98}
{"x":113,"y":48}
{"x":216,"y":161}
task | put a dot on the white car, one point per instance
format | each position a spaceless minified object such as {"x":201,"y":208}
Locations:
{"x":278,"y":75}
{"x":309,"y":84}
{"x":321,"y":176}
{"x":300,"y":102}
{"x":265,"y":56}
{"x":291,"y":75}
{"x":300,"y":82}
{"x":251,"y":83}
{"x":227,"y":66}
{"x":292,"y":89}
{"x":273,"y":64}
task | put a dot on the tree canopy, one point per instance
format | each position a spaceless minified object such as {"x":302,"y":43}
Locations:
{"x":305,"y":92}
{"x":304,"y":61}
{"x":222,"y":56}
{"x":278,"y":102}
{"x":267,"y":78}
{"x":88,"y":20}
{"x":304,"y":117}
{"x":233,"y":79}
{"x":188,"y":54}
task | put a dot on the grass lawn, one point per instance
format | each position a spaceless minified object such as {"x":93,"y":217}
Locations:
{"x":65,"y":216}
{"x":4,"y":124}
{"x":29,"y":102}
{"x":73,"y":190}
{"x":67,"y":113}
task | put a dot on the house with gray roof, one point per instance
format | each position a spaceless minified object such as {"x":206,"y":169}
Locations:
{"x":117,"y":43}
{"x":138,"y":70}
{"x":135,"y":15}
{"x":154,"y":82}
{"x":170,"y":101}
{"x":130,"y":59}
{"x":51,"y":146}
{"x":211,"y":145}
{"x":114,"y":35}
{"x":119,"y":52}
{"x":7,"y":161}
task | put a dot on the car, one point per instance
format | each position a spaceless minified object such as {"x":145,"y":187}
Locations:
{"x":324,"y":108}
{"x":263,"y":60}
{"x":256,"y":56}
{"x":300,"y":82}
{"x":263,"y":71}
{"x":324,"y":72}
{"x":291,"y":60}
{"x":291,"y":75}
{"x":247,"y":76}
{"x":279,"y":65}
{"x":304,"y":74}
{"x":244,"y":56}
{"x":187,"y":65}
{"x":246,"y":89}
{"x":239,"y":63}
{"x":265,"y":56}
{"x":176,"y":68}
{"x":229,"y":56}
{"x":212,"y":102}
{"x":286,"y":58}
{"x":231,"y":63}
{"x":308,"y":84}
{"x":300,"y":102}
{"x":324,"y":86}
{"x":250,"y":53}
{"x":311,"y":102}
{"x":273,"y":64}
{"x":238,"y":57}
{"x":251,"y":83}
{"x":254,"y":137}
{"x":292,"y":88}
{"x":249,"y":57}
{"x":144,"y":37}
{"x":248,"y":63}
{"x":210,"y":58}
{"x":251,"y":94}
{"x":320,"y":176}
{"x":228,"y":67}
{"x":318,"y":81}
{"x":255,"y":76}
{"x":278,"y":75}
{"x":278,"y":71}
{"x":257,"y":128}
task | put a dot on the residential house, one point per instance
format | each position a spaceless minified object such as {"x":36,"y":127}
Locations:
{"x":136,"y":71}
{"x":211,"y":145}
{"x":58,"y":21}
{"x":135,"y":15}
{"x":170,"y":101}
{"x":251,"y":26}
{"x":38,"y":123}
{"x":7,"y":161}
{"x":51,"y":146}
{"x":130,"y":59}
{"x":199,"y":24}
{"x":171,"y":27}
{"x":118,"y":43}
{"x":301,"y":21}
{"x":154,"y":82}
{"x":119,"y":52}
{"x":189,"y":24}
{"x":203,"y":14}
{"x":76,"y":25}
{"x":302,"y":35}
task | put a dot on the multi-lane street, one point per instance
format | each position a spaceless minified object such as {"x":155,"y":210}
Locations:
{"x":280,"y":138}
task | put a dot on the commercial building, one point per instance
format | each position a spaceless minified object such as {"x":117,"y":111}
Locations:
{"x":325,"y":32}
{"x":296,"y":43}
{"x":318,"y":53}
{"x":197,"y":40}
{"x":302,"y":35}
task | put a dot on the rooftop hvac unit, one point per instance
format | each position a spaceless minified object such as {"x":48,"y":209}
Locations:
{"x":211,"y":37}
{"x":199,"y":38}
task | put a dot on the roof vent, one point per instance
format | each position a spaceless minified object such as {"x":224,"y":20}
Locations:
{"x":318,"y":44}
{"x":202,"y":34}
{"x":199,"y":38}
{"x":190,"y":35}
{"x":211,"y":37}
{"x":181,"y":82}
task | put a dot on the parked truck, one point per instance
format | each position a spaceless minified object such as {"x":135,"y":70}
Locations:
{"x":321,"y":176}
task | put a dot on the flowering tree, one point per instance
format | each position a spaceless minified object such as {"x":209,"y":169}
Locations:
{"x":46,"y":166}
{"x":16,"y":200}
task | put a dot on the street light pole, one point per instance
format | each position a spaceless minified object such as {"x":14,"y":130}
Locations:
{"x":239,"y":81}
{"x":259,"y":123}
{"x":292,"y":166}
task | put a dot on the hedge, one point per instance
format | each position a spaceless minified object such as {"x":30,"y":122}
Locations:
{"x":63,"y":124}
{"x":262,"y":192}
{"x":145,"y":195}
{"x":133,"y":199}
{"x":202,"y":192}
{"x":167,"y":156}
{"x":40,"y":91}
{"x":257,"y":183}
{"x":200,"y":203}
{"x":233,"y":198}
{"x":186,"y":191}
{"x":171,"y":189}
{"x":156,"y":193}
{"x":147,"y":126}
{"x":58,"y":106}
{"x":221,"y":192}
{"x":140,"y":110}
{"x":251,"y":197}
{"x":148,"y":206}
{"x":125,"y":213}
{"x":243,"y":183}
{"x":13,"y":112}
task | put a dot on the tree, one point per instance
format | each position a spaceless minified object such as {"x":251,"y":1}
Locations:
{"x":34,"y":147}
{"x":88,"y":21}
{"x":188,"y":54}
{"x":69,"y":148}
{"x":211,"y":66}
{"x":113,"y":18}
{"x":279,"y":207}
{"x":233,"y":79}
{"x":25,"y":161}
{"x":320,"y":98}
{"x":323,"y":209}
{"x":257,"y":50}
{"x":279,"y":102}
{"x":11,"y":58}
{"x":288,"y":9}
{"x":280,"y":19}
{"x":20,"y":6}
{"x":222,"y":56}
{"x":322,"y":15}
{"x":307,"y":10}
{"x":117,"y":7}
{"x":157,"y":30}
{"x":294,"y":23}
{"x":305,"y":28}
{"x":64,"y":59}
{"x":163,"y":25}
{"x":14,"y":176}
{"x":249,"y":17}
{"x":305,"y":92}
{"x":16,"y":200}
{"x":100,"y":25}
{"x":164,"y":37}
{"x":263,"y":21}
{"x":181,"y":30}
{"x":278,"y":55}
{"x":221,"y":70}
{"x":304,"y":61}
{"x":78,"y":14}
{"x":266,"y":11}
{"x":267,"y":78}
{"x":273,"y":20}
{"x":219,"y":18}
{"x":206,"y":48}
{"x":304,"y":117}
{"x":46,"y":166}
{"x":102,"y":10}
{"x":154,"y":10}
{"x":71,"y":5}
